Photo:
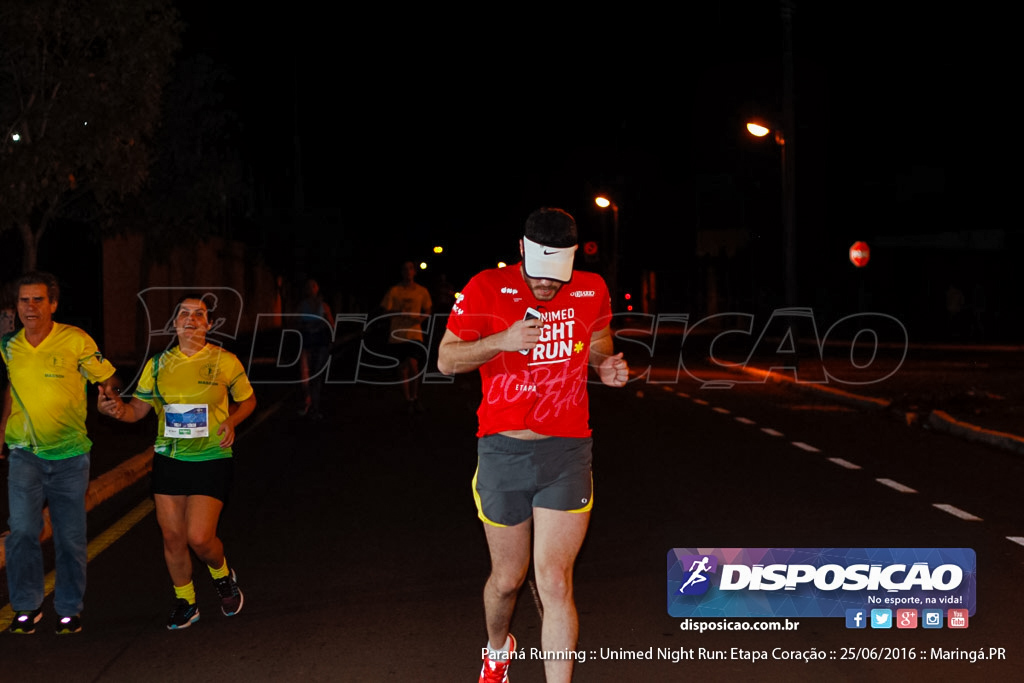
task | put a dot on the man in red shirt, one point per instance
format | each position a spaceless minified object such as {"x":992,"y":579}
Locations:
{"x":533,"y":331}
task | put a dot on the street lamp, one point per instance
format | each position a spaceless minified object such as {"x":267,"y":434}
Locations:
{"x":788,"y":229}
{"x":613,"y":263}
{"x":757,"y":130}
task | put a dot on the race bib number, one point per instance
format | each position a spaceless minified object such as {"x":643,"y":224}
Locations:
{"x":186,"y":420}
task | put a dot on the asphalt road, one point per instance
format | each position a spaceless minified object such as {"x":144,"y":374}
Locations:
{"x":356,"y":543}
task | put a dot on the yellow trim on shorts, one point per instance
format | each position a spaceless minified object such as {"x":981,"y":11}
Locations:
{"x":483,"y":518}
{"x":590,"y":502}
{"x":479,"y":505}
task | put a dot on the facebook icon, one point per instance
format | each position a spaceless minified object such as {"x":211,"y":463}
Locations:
{"x":856,"y":618}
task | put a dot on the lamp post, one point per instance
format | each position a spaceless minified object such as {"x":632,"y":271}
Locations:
{"x":788,"y":228}
{"x":788,"y":127}
{"x":613,"y":263}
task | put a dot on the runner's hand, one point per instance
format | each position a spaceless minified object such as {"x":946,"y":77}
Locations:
{"x":228,"y":431}
{"x":110,"y":404}
{"x":614,"y":370}
{"x":522,"y":335}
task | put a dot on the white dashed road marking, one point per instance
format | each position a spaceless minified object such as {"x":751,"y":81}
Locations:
{"x":844,"y":463}
{"x":895,"y":485}
{"x":957,"y":512}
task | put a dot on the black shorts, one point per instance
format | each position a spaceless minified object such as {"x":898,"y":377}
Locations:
{"x":513,"y":476}
{"x":185,"y":478}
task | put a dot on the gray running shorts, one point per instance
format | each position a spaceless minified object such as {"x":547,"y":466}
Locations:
{"x":513,"y":476}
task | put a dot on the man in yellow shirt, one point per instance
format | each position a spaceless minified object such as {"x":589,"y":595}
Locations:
{"x":43,"y":422}
{"x":408,"y":304}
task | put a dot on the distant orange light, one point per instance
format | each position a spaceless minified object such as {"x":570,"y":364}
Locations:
{"x":603,"y":202}
{"x":438,"y":250}
{"x":757,"y":130}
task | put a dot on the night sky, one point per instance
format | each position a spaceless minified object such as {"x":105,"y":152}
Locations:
{"x":433,"y":126}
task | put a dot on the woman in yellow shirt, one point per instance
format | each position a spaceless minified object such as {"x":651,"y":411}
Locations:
{"x":192,"y":386}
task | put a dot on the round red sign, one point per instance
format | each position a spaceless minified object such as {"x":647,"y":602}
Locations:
{"x":860,"y":254}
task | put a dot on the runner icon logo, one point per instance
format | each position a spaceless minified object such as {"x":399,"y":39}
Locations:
{"x":695,"y":581}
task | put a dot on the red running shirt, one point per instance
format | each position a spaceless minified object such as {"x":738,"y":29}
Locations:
{"x":546,"y":389}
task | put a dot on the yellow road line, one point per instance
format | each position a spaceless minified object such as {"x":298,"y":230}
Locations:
{"x":96,"y":546}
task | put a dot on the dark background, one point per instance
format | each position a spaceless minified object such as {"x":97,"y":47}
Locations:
{"x":371,"y":134}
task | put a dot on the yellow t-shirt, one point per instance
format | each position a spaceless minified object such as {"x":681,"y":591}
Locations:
{"x":407,"y":305}
{"x":206,"y":378}
{"x":48,"y":390}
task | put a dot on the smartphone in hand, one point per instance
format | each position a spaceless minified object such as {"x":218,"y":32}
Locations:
{"x":531,"y":314}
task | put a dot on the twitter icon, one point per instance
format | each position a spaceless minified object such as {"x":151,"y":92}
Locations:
{"x":881,"y":618}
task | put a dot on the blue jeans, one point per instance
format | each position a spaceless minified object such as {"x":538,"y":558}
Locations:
{"x":31,"y":481}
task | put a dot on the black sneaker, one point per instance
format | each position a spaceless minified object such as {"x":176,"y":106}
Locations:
{"x":231,"y":599}
{"x":184,"y":615}
{"x":66,"y":625}
{"x":25,"y":621}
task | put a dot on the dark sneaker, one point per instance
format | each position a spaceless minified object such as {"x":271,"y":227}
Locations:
{"x":25,"y":621}
{"x":496,"y":670}
{"x":231,"y":599}
{"x":184,"y":615}
{"x":66,"y":625}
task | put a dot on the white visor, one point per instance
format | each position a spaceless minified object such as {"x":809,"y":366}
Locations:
{"x":547,"y":263}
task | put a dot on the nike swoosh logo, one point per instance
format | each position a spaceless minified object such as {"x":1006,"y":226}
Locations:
{"x":549,"y":253}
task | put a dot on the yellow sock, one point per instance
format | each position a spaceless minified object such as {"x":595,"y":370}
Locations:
{"x":186,"y":592}
{"x":219,"y":573}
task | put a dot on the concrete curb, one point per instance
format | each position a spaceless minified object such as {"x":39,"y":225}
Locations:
{"x":944,"y":422}
{"x":938,"y":420}
{"x":836,"y":394}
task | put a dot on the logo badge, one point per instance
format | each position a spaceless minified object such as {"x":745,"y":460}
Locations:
{"x":856,"y":618}
{"x":881,"y":618}
{"x":782,"y":582}
{"x":906,"y":618}
{"x":931,"y":618}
